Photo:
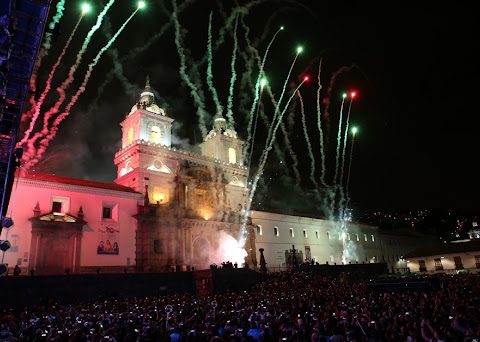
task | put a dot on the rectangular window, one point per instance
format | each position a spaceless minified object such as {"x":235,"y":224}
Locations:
{"x":316,"y":234}
{"x":292,"y":233}
{"x":438,"y":264}
{"x":358,"y":237}
{"x":422,"y":266}
{"x":365,"y":237}
{"x":373,"y":238}
{"x":328,"y":235}
{"x":259,"y":230}
{"x":157,"y":246}
{"x":57,"y":207}
{"x":348,"y":236}
{"x":60,"y":205}
{"x":458,"y":262}
{"x":305,"y":234}
{"x":107,"y":213}
{"x":275,"y":231}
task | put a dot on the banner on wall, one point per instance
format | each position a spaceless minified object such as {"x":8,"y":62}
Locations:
{"x":108,"y":237}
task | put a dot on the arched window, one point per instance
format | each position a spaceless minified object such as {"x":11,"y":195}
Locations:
{"x":130,"y":136}
{"x":232,"y":155}
{"x":155,"y":135}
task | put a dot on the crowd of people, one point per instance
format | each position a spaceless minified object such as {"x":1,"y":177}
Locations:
{"x":287,"y":306}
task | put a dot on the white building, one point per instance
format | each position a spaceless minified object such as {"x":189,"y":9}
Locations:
{"x":456,"y":256}
{"x":172,"y":209}
{"x":322,"y":241}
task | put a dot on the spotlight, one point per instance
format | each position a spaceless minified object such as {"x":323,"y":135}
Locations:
{"x":7,"y":222}
{"x":141,"y":4}
{"x":5,"y":245}
{"x":3,"y":269}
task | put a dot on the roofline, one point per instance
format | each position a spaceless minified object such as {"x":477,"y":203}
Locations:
{"x":127,"y":192}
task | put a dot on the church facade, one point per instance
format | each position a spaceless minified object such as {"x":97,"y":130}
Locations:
{"x":169,"y":210}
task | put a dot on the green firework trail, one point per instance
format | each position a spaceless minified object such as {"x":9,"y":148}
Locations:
{"x":276,"y":125}
{"x":278,"y":152}
{"x":61,"y":90}
{"x":320,"y":130}
{"x":134,"y":53}
{"x":211,"y":87}
{"x":291,"y":115}
{"x":248,"y":61}
{"x":288,"y":144}
{"x":347,"y":124}
{"x":54,"y":129}
{"x":42,"y":53}
{"x":254,"y":132}
{"x":257,"y":83}
{"x":261,"y":167}
{"x":85,"y":44}
{"x":129,"y":88}
{"x":261,"y":64}
{"x":339,"y":142}
{"x":45,"y":92}
{"x":183,"y":74}
{"x":230,"y":119}
{"x":228,"y":26}
{"x":349,"y":169}
{"x":55,"y":20}
{"x":277,"y":108}
{"x":307,"y":140}
{"x":342,"y":193}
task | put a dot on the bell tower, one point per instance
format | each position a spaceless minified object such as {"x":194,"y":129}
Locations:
{"x":145,"y":158}
{"x":222,"y":143}
{"x":147,"y":121}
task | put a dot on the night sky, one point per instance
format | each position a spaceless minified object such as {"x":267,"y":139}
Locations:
{"x":414,"y":65}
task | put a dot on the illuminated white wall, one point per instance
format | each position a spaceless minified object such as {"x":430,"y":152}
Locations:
{"x":447,"y":260}
{"x":147,"y":126}
{"x":327,"y":245}
{"x":92,"y":200}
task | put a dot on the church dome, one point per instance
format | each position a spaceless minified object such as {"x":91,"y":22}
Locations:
{"x":147,"y":101}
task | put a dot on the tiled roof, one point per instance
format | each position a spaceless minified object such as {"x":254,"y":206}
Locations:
{"x":76,"y":181}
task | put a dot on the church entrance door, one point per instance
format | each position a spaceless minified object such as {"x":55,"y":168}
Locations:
{"x":56,"y":244}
